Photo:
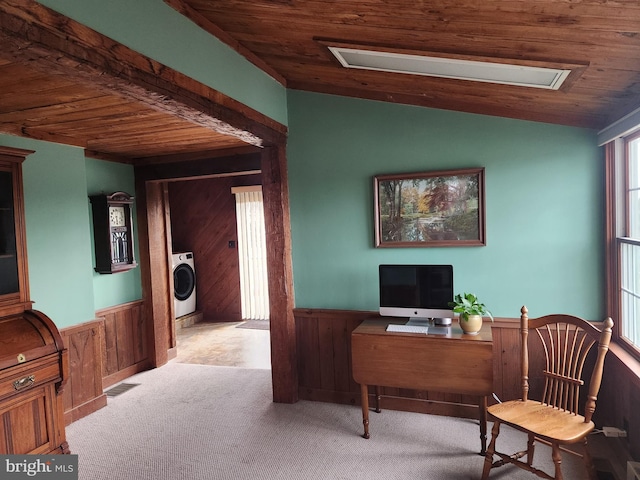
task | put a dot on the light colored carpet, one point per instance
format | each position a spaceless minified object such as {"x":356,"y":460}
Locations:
{"x":197,"y":422}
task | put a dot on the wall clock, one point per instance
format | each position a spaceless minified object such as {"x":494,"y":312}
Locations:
{"x":113,"y":232}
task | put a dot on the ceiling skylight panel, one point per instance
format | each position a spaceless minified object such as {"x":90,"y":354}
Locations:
{"x":478,"y":71}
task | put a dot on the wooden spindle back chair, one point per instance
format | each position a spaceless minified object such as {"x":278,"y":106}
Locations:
{"x":565,"y":342}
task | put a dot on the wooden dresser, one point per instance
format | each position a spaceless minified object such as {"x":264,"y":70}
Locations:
{"x":33,"y":366}
{"x":33,"y":361}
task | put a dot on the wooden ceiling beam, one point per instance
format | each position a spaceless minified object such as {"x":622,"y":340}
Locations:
{"x":200,"y":155}
{"x":245,"y":164}
{"x":45,"y":40}
{"x":107,"y":157}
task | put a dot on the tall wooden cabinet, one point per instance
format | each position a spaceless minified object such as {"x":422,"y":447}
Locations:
{"x":33,"y":360}
{"x":14,"y":280}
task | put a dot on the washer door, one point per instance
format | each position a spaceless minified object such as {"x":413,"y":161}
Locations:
{"x":184,"y":281}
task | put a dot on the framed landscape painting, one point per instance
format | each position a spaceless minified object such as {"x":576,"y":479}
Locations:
{"x":430,"y":209}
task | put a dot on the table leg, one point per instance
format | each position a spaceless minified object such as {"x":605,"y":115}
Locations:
{"x":364,"y":393}
{"x":378,"y":399}
{"x":483,"y":425}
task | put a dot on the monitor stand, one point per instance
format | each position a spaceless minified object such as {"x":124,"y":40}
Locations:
{"x":442,"y":321}
{"x":436,"y":321}
{"x":419,"y":322}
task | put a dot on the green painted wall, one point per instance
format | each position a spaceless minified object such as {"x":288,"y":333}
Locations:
{"x":156,"y":30}
{"x":544,"y":204}
{"x":58,"y":236}
{"x":543,"y":187}
{"x":109,"y":290}
{"x":57,"y":182}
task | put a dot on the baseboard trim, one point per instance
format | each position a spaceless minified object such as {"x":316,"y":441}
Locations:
{"x":124,"y":373}
{"x":85,"y":409}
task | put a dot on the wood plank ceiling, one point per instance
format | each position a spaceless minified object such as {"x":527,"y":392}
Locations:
{"x":52,"y":107}
{"x":290,"y":37}
{"x":62,"y":82}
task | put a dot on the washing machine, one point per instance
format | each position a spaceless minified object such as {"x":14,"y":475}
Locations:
{"x":184,"y":283}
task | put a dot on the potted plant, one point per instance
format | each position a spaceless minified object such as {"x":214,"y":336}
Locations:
{"x":470,"y":312}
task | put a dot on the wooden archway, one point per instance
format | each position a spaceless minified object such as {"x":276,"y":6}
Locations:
{"x":155,"y":253}
{"x":35,"y":37}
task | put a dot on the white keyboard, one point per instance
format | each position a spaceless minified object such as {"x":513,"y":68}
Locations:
{"x":407,"y":328}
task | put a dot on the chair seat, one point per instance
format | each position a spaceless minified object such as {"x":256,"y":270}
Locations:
{"x":542,"y":420}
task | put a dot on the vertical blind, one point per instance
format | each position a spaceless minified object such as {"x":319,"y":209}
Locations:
{"x":630,"y":289}
{"x":252,"y":253}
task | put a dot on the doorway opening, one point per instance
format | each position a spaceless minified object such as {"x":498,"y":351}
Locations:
{"x":203,"y":220}
{"x":268,"y":161}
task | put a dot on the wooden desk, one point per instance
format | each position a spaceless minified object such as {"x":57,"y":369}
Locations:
{"x":456,"y":363}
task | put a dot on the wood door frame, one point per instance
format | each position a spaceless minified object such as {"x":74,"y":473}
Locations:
{"x":42,"y":38}
{"x":154,"y":232}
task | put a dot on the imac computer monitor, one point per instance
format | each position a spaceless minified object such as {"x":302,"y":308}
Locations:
{"x":417,"y":292}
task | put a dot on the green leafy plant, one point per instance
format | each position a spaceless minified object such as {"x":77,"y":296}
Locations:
{"x":468,"y":304}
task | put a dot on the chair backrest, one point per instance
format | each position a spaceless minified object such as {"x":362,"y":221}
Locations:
{"x":566,"y":341}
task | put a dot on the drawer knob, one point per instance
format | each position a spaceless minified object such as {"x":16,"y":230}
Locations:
{"x":24,"y":382}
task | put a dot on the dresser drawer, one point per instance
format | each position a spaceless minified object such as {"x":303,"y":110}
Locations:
{"x":23,"y":377}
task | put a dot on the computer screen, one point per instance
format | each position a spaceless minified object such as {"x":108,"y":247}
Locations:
{"x":416,"y":291}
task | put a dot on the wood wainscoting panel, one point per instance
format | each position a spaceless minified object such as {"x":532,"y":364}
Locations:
{"x":507,"y":382}
{"x":323,"y":340}
{"x":101,"y":353}
{"x":325,"y":374}
{"x":83,"y":393}
{"x":619,"y":397}
{"x":124,"y":349}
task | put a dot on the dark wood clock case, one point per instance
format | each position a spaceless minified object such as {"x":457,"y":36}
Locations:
{"x":113,"y":232}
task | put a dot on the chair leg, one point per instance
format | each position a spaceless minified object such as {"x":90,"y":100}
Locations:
{"x":488,"y":458}
{"x":588,"y":461}
{"x":530,"y":449}
{"x":557,"y":460}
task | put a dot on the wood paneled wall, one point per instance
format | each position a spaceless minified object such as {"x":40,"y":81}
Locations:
{"x":203,"y":220}
{"x":324,"y":373}
{"x":83,"y":392}
{"x":324,"y":367}
{"x":110,"y":349}
{"x":619,"y":397}
{"x":323,"y":340}
{"x":101,"y":353}
{"x":125,"y":343}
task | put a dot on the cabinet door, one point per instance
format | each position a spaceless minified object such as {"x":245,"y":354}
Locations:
{"x":26,"y":422}
{"x":8,"y":253}
{"x":14,"y":281}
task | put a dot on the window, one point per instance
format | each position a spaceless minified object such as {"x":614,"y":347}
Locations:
{"x":623,"y":172}
{"x":630,"y":247}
